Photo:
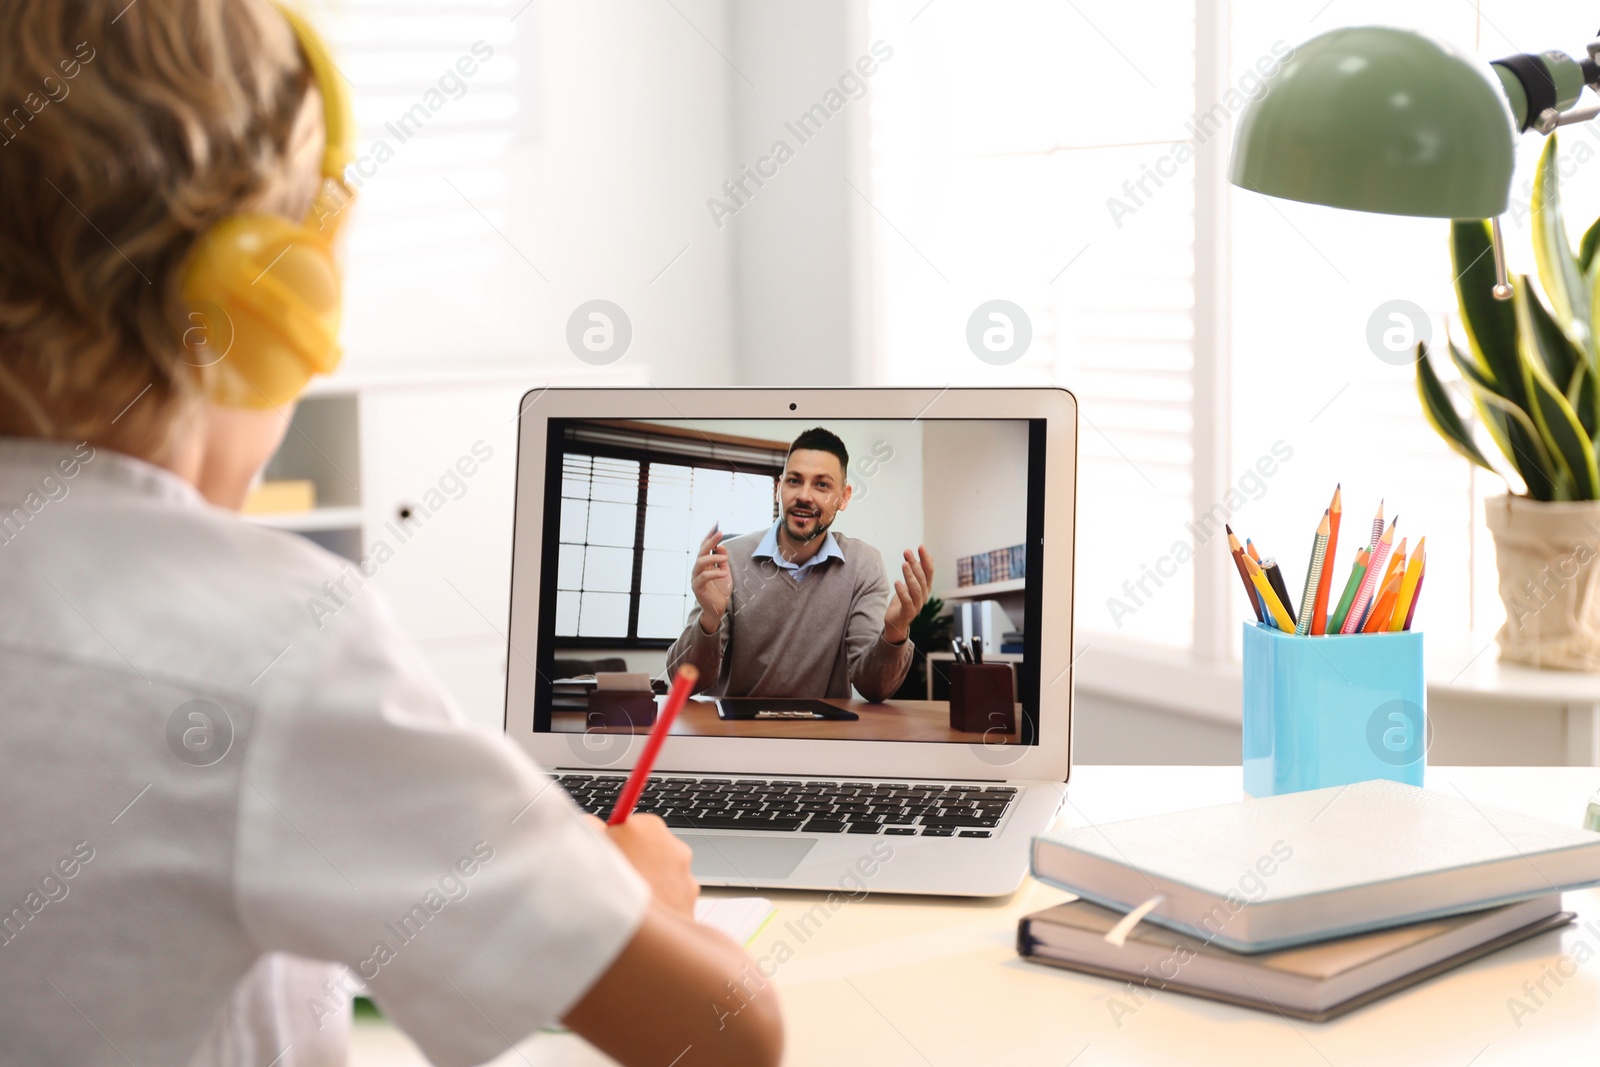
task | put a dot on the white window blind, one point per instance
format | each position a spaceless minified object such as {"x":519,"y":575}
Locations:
{"x":441,"y":96}
{"x":1000,"y":137}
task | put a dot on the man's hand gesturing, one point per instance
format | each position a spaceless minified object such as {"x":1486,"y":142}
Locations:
{"x":909,"y":595}
{"x":712,"y":581}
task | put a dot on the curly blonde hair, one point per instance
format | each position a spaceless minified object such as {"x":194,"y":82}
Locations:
{"x":125,"y":132}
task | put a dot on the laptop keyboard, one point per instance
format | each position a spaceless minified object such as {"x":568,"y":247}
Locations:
{"x":903,"y":809}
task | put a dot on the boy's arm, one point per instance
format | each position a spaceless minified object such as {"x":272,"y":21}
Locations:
{"x":666,"y":998}
{"x":681,"y":993}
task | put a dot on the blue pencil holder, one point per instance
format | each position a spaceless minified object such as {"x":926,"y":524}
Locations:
{"x":1325,"y":711}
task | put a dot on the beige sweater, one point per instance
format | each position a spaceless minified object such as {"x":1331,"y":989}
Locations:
{"x":812,"y":638}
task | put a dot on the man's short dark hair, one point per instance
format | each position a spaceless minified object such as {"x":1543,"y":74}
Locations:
{"x":817,"y":439}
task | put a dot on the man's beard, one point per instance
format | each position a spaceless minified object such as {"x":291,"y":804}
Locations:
{"x":805,"y":539}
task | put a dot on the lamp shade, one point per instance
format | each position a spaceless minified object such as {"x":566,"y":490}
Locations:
{"x":1383,"y":120}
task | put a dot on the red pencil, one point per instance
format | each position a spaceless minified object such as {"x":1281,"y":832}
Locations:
{"x":682,"y":683}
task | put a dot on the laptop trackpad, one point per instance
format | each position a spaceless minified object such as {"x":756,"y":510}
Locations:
{"x":746,"y":858}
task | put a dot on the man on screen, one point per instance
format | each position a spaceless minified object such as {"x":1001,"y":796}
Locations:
{"x":797,"y":610}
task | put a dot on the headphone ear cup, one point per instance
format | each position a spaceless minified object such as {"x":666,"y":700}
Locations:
{"x":266,"y":294}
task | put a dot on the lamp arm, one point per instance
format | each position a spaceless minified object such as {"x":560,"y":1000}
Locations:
{"x":1539,"y":87}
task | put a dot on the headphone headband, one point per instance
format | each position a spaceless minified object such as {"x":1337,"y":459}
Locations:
{"x":266,"y":289}
{"x":337,"y":114}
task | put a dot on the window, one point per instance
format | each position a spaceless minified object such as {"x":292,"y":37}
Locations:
{"x":634,"y":508}
{"x":441,"y":93}
{"x":1073,"y":159}
{"x":1008,"y":144}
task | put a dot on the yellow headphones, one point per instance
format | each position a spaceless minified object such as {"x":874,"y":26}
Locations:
{"x":265,"y":291}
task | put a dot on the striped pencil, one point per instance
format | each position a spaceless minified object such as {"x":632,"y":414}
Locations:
{"x":1319,"y":609}
{"x":1369,"y":584}
{"x":1377,"y":528}
{"x":1315,"y":588}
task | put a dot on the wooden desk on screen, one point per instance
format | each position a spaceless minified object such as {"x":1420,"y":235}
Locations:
{"x":896,"y":720}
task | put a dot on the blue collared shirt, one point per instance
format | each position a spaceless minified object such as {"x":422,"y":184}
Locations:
{"x":769,"y":548}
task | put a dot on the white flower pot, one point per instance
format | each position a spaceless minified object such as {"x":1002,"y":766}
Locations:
{"x":1549,"y":580}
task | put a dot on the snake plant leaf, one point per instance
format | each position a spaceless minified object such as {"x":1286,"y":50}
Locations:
{"x":1493,"y":419}
{"x":1491,"y":324}
{"x":1584,"y":396}
{"x":1562,"y":358}
{"x":1587,"y":248}
{"x":1577,"y":473}
{"x":1563,"y":282}
{"x":1441,"y":411}
{"x":1470,"y":370}
{"x":1524,"y":446}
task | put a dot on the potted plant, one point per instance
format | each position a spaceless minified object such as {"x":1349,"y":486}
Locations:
{"x":929,"y":632}
{"x":1532,"y":375}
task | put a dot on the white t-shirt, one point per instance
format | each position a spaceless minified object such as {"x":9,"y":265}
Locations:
{"x":194,"y":773}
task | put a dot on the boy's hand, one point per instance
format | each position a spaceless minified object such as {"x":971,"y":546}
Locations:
{"x":661,"y":859}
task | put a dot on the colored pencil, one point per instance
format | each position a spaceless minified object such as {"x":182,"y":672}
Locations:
{"x":1319,"y":607}
{"x":1377,"y":527}
{"x":682,"y":684}
{"x":1383,"y":607}
{"x":1416,"y":595}
{"x":1363,"y":601}
{"x":1357,"y":572}
{"x":1268,"y":597}
{"x":1274,"y":574}
{"x":1408,"y":588}
{"x":1397,"y":563}
{"x":1237,"y":550}
{"x":1314,"y":584}
{"x":1250,"y":548}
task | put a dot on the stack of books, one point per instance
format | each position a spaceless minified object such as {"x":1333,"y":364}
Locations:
{"x":571,"y":694}
{"x":1308,"y":904}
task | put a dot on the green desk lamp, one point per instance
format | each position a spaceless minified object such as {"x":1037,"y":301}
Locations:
{"x":1395,"y":122}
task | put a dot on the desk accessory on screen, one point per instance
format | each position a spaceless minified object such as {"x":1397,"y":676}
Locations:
{"x":622,"y":700}
{"x":982,"y":698}
{"x":736,"y":709}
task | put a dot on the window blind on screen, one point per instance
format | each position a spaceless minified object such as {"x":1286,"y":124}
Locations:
{"x":629,"y":530}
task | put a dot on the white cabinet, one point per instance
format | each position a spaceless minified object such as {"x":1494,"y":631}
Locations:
{"x":438,"y":474}
{"x":416,"y":480}
{"x":438,"y":471}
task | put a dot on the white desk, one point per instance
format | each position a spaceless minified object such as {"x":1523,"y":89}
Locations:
{"x":923,"y":982}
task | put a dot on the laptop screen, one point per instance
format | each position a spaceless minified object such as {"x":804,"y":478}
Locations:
{"x":853,"y":579}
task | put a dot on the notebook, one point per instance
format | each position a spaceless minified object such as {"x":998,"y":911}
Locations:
{"x":1315,"y":982}
{"x":1277,"y":871}
{"x":741,"y":918}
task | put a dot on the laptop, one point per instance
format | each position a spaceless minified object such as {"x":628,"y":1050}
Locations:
{"x":941,"y":772}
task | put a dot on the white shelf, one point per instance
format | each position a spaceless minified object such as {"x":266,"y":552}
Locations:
{"x":987,"y":589}
{"x":331,"y":518}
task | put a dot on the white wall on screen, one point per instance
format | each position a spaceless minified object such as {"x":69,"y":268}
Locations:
{"x":887,"y":505}
{"x":978,"y":474}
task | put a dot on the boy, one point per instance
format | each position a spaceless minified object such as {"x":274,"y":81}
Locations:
{"x":193,"y":776}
